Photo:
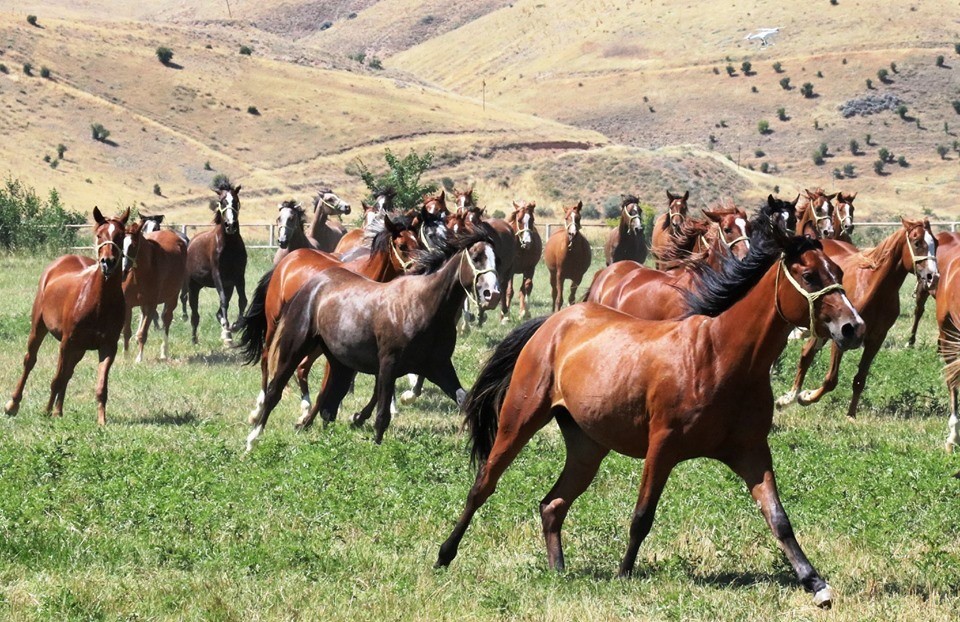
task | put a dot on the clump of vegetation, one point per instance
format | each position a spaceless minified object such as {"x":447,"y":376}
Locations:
{"x":807,"y":90}
{"x":759,"y":153}
{"x":731,"y":71}
{"x":778,"y":67}
{"x":902,"y":111}
{"x":359,"y":57}
{"x":99,"y":132}
{"x":156,"y":190}
{"x":61,"y":149}
{"x":206,"y":166}
{"x":893,"y":67}
{"x":902,"y":161}
{"x":956,"y":48}
{"x":28,"y":69}
{"x":253,"y":110}
{"x":716,"y":71}
{"x":942,"y":151}
{"x":402,"y":174}
{"x":164,"y":55}
{"x":956,"y":105}
{"x":30,"y":223}
{"x":878,"y":167}
{"x":763,"y":126}
{"x":849,"y":170}
{"x":45,"y":72}
{"x":868,"y":140}
{"x":883,"y":75}
{"x":884,"y":154}
{"x":746,"y":66}
{"x":46,"y":157}
{"x":819,"y":74}
{"x":785,"y":83}
{"x":817,"y":157}
{"x":3,"y":68}
{"x":764,"y":167}
{"x":32,"y":20}
{"x":54,"y":163}
{"x":940,"y":60}
{"x":854,"y":147}
{"x":782,"y":114}
{"x":375,"y":63}
{"x":246,"y":50}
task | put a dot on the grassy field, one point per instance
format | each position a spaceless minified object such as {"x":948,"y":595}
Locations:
{"x":161,"y":515}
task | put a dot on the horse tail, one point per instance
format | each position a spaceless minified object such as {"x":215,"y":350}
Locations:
{"x":253,"y":324}
{"x":294,"y":328}
{"x":481,"y":407}
{"x":950,"y":351}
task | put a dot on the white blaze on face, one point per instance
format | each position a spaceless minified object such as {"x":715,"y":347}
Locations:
{"x":462,"y":202}
{"x":127,"y":258}
{"x":286,"y":214}
{"x":931,"y":264}
{"x":742,"y":225}
{"x":229,"y":213}
{"x":525,"y":237}
{"x":369,"y":217}
{"x":488,"y":281}
{"x":572,"y":224}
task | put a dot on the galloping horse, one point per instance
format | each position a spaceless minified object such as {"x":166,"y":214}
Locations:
{"x":603,"y":376}
{"x":80,"y":302}
{"x":873,"y":279}
{"x":392,"y":244}
{"x":626,"y":242}
{"x":155,"y":267}
{"x":948,"y":321}
{"x":529,"y":248}
{"x":843,"y":217}
{"x":567,"y":256}
{"x":667,"y":225}
{"x":946,"y":241}
{"x":291,"y":220}
{"x":217,"y":258}
{"x":407,"y":325}
{"x":324,"y":233}
{"x":818,"y":209}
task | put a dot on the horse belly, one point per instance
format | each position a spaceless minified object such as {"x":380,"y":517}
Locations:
{"x":350,"y":339}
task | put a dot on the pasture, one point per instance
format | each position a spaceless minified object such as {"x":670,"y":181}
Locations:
{"x":160,"y":515}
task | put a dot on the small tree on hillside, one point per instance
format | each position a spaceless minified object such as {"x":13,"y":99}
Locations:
{"x":164,"y":54}
{"x":99,"y":132}
{"x":32,"y":20}
{"x":785,"y":84}
{"x":807,"y":90}
{"x":403,"y":175}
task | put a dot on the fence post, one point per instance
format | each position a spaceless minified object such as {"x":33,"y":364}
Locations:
{"x":272,"y":234}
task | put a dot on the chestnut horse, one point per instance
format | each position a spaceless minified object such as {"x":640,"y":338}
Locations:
{"x":946,"y":241}
{"x":391,"y":245}
{"x":873,"y":279}
{"x":817,"y":209}
{"x":344,"y":315}
{"x":529,"y":249}
{"x":150,"y":224}
{"x":667,"y":225}
{"x":217,"y":258}
{"x":325,"y":234}
{"x":948,"y":321}
{"x":626,"y":242}
{"x":79,"y":302}
{"x":567,"y":256}
{"x":155,"y":267}
{"x":663,"y":391}
{"x":843,"y":217}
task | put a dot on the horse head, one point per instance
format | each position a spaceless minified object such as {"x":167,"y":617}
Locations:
{"x":630,"y":214}
{"x":370,"y":213}
{"x":434,"y":208}
{"x":921,"y":255}
{"x":571,"y":221}
{"x":384,"y":197}
{"x":227,"y":208}
{"x":843,"y":214}
{"x":478,"y":269}
{"x":821,"y":211}
{"x":149,"y":224}
{"x":522,"y":220}
{"x":109,"y":239}
{"x":733,"y":229}
{"x":327,"y":202}
{"x":676,"y":210}
{"x":403,"y":243}
{"x":132,"y":238}
{"x":782,"y":214}
{"x":290,"y":218}
{"x":464,"y":199}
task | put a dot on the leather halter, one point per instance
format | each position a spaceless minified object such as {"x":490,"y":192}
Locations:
{"x":817,"y":218}
{"x":811,"y":297}
{"x":843,"y":226}
{"x":476,"y":277}
{"x":678,"y":215}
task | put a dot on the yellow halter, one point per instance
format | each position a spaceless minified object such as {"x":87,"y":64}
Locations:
{"x":811,"y":297}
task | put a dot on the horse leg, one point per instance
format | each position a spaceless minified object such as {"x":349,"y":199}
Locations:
{"x":810,"y":349}
{"x":385,"y":390}
{"x":66,"y":363}
{"x":168,"y":309}
{"x":226,"y":293}
{"x":336,"y":385}
{"x":194,"y":294}
{"x":359,"y":418}
{"x":870,"y":350}
{"x":147,"y":312}
{"x":953,"y":425}
{"x":656,"y":469}
{"x":555,"y":285}
{"x":829,"y":381}
{"x":184,"y":295}
{"x":241,"y":299}
{"x":127,"y":330}
{"x":303,"y":379}
{"x":583,"y":460}
{"x":284,"y":356}
{"x":444,"y":376}
{"x":465,"y":319}
{"x":526,"y":290}
{"x":574,"y":284}
{"x":37,"y":332}
{"x":107,"y":353}
{"x":755,"y":466}
{"x":921,"y":295}
{"x":506,"y":286}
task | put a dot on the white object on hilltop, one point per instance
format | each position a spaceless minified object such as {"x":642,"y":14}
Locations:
{"x":763,"y":35}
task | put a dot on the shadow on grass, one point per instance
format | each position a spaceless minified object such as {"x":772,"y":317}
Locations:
{"x":215,"y":358}
{"x":745,"y":579}
{"x":167,"y":418}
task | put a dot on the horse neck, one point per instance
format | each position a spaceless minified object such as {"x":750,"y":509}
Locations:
{"x":888,"y":270}
{"x":624,"y":226}
{"x":441,"y":291}
{"x":378,"y":266}
{"x":319,"y":224}
{"x":298,"y":239}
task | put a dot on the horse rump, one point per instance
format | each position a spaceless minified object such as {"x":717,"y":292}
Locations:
{"x":253,"y":324}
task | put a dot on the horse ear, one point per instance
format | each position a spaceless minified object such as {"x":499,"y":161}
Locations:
{"x":715,"y":217}
{"x":686,"y":195}
{"x":159,"y":218}
{"x":98,"y":217}
{"x":795,"y":201}
{"x":237,"y":189}
{"x":808,"y":193}
{"x":851,"y":197}
{"x":125,"y":217}
{"x":516,"y":206}
{"x":532,"y":204}
{"x":771,"y":202}
{"x":831,"y":197}
{"x":670,"y":197}
{"x":443,"y":196}
{"x":391,"y":226}
{"x":578,"y":206}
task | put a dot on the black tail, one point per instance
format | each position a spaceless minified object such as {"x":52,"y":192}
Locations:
{"x":253,"y":324}
{"x":481,"y":408}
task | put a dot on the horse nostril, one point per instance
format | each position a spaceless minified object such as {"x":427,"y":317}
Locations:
{"x":487,"y":294}
{"x":848,"y":330}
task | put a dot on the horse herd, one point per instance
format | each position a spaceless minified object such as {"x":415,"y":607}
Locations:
{"x":727,"y":291}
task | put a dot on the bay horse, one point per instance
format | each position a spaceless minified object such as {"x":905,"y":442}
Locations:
{"x":567,"y":255}
{"x":873,"y":278}
{"x":529,"y":248}
{"x":392,"y":245}
{"x":155,"y":267}
{"x":946,"y":241}
{"x":948,"y":323}
{"x":627,"y":242}
{"x":291,"y":221}
{"x":150,"y":224}
{"x":843,"y":223}
{"x":667,"y":392}
{"x":667,"y":225}
{"x":218,"y":258}
{"x":346,"y":316}
{"x":817,"y":209}
{"x":325,"y":233}
{"x":80,"y":302}
{"x":430,"y":221}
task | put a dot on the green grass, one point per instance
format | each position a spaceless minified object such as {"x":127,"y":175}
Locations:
{"x":161,"y":515}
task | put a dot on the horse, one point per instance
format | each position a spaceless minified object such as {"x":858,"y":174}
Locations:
{"x":391,"y":243}
{"x":948,"y":323}
{"x":667,"y":225}
{"x":626,"y":241}
{"x":155,"y":267}
{"x":946,"y":240}
{"x":407,"y":325}
{"x":843,"y":217}
{"x":567,"y":256}
{"x":217,"y":258}
{"x":354,"y":238}
{"x":662,"y":391}
{"x":291,"y":220}
{"x":873,"y":279}
{"x":818,"y":209}
{"x":529,"y":248}
{"x":80,"y":302}
{"x":324,"y":233}
{"x":150,"y":224}
{"x":430,"y":220}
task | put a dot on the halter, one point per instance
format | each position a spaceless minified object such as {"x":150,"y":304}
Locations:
{"x":917,"y":258}
{"x":289,"y":227}
{"x":476,"y":277}
{"x":729,"y":245}
{"x":811,"y":297}
{"x":843,"y":227}
{"x":424,"y":240}
{"x":817,"y":219}
{"x":567,"y":220}
{"x":404,"y":264}
{"x":322,"y":201}
{"x":223,"y":211}
{"x":678,"y":215}
{"x":631,"y":217}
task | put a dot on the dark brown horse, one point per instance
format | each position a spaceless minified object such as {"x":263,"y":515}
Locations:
{"x":668,"y":225}
{"x":430,"y":221}
{"x":946,"y":242}
{"x":567,"y":255}
{"x":391,"y":245}
{"x":843,"y":217}
{"x":217,"y":258}
{"x":873,"y":279}
{"x":948,"y":321}
{"x":603,"y":376}
{"x":155,"y":265}
{"x":324,"y":233}
{"x":79,"y":302}
{"x":818,"y":209}
{"x":627,"y":242}
{"x":407,"y":325}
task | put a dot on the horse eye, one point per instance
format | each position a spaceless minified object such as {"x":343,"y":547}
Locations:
{"x":808,"y":277}
{"x":727,"y":229}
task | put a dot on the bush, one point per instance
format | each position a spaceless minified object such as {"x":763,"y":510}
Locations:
{"x":591,"y":212}
{"x":46,"y":158}
{"x":956,"y":48}
{"x":884,"y":154}
{"x":611,"y":207}
{"x":164,"y":55}
{"x":27,"y":222}
{"x":854,"y":147}
{"x":849,"y":170}
{"x":543,"y":211}
{"x":246,"y":50}
{"x":716,"y":71}
{"x":817,"y":158}
{"x":3,"y":68}
{"x":782,"y":114}
{"x":156,"y":190}
{"x":785,"y":84}
{"x":220,"y":181}
{"x":375,"y":63}
{"x":28,"y":69}
{"x":940,"y":60}
{"x":878,"y":167}
{"x":807,"y":90}
{"x":44,"y":72}
{"x":902,"y":111}
{"x":942,"y":151}
{"x":837,"y":173}
{"x":883,"y":75}
{"x":902,"y":161}
{"x":777,"y":67}
{"x":764,"y":167}
{"x":893,"y":67}
{"x":868,"y":139}
{"x":956,"y":105}
{"x":99,"y":132}
{"x":359,"y":57}
{"x":823,"y":149}
{"x":61,"y":149}
{"x":447,"y":184}
{"x":746,"y":66}
{"x":253,"y":110}
{"x":54,"y":163}
{"x":403,"y":175}
{"x":763,"y":126}
{"x":206,"y":166}
{"x":731,"y":71}
{"x":759,"y":153}
{"x":32,"y":20}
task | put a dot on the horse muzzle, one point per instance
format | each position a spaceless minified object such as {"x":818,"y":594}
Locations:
{"x":108,"y":266}
{"x":344,"y":208}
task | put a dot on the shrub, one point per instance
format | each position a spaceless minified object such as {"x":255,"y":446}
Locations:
{"x":46,"y":158}
{"x":759,"y":153}
{"x":956,"y":105}
{"x":246,"y":50}
{"x":28,"y":69}
{"x":942,"y":151}
{"x":763,"y":126}
{"x":164,"y":55}
{"x":764,"y":167}
{"x":44,"y":72}
{"x":611,"y":207}
{"x":869,"y":83}
{"x":156,"y":190}
{"x":782,"y":114}
{"x":716,"y":71}
{"x":849,"y":170}
{"x":817,"y":158}
{"x":807,"y":90}
{"x":883,"y":75}
{"x":253,"y":110}
{"x":819,"y":74}
{"x":543,"y":212}
{"x":878,"y":167}
{"x":220,"y":181}
{"x":823,"y":149}
{"x":868,"y":139}
{"x":27,"y":222}
{"x":902,"y":111}
{"x":902,"y":161}
{"x":834,"y":2}
{"x":884,"y":154}
{"x":359,"y":57}
{"x":785,"y":84}
{"x":3,"y":68}
{"x":956,"y":48}
{"x":447,"y":184}
{"x":940,"y":60}
{"x":753,"y":89}
{"x":206,"y":166}
{"x":54,"y":163}
{"x":403,"y":175}
{"x":32,"y":20}
{"x":731,"y":71}
{"x":61,"y":149}
{"x":99,"y":132}
{"x":837,"y":173}
{"x":854,"y":147}
{"x":816,"y":124}
{"x":375,"y":63}
{"x":746,"y":66}
{"x":777,"y":67}
{"x":498,"y":214}
{"x":591,"y":212}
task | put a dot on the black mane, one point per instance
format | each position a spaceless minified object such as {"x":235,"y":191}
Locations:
{"x":629,"y":199}
{"x":378,"y":237}
{"x":428,"y":262}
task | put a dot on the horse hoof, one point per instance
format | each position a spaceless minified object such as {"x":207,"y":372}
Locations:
{"x":357,"y":420}
{"x":408,"y":397}
{"x":786,"y":400}
{"x":11,"y":408}
{"x":824,"y":598}
{"x":948,"y":445}
{"x":806,"y":398}
{"x":504,"y":320}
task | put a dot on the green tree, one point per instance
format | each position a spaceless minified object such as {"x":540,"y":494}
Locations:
{"x":27,"y":222}
{"x":164,"y":54}
{"x":99,"y":132}
{"x":785,"y":84}
{"x":763,"y":126}
{"x":807,"y":90}
{"x":403,"y":175}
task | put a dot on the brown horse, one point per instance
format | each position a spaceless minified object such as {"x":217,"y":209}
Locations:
{"x":354,"y":237}
{"x":150,"y":224}
{"x":668,"y":225}
{"x":291,"y":220}
{"x":662,"y":391}
{"x":391,"y":243}
{"x":817,"y":209}
{"x":79,"y":302}
{"x":407,"y":325}
{"x":873,"y":279}
{"x":155,"y":265}
{"x":217,"y":258}
{"x":430,"y":220}
{"x":948,"y":321}
{"x":843,"y":217}
{"x":567,"y":255}
{"x":529,"y":248}
{"x":627,"y":242}
{"x":946,"y":242}
{"x":324,"y":233}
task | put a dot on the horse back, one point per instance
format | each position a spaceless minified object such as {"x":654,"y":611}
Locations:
{"x":606,"y":282}
{"x":350,"y":240}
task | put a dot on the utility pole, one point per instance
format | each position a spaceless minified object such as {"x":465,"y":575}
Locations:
{"x":484,"y":94}
{"x":229,"y":12}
